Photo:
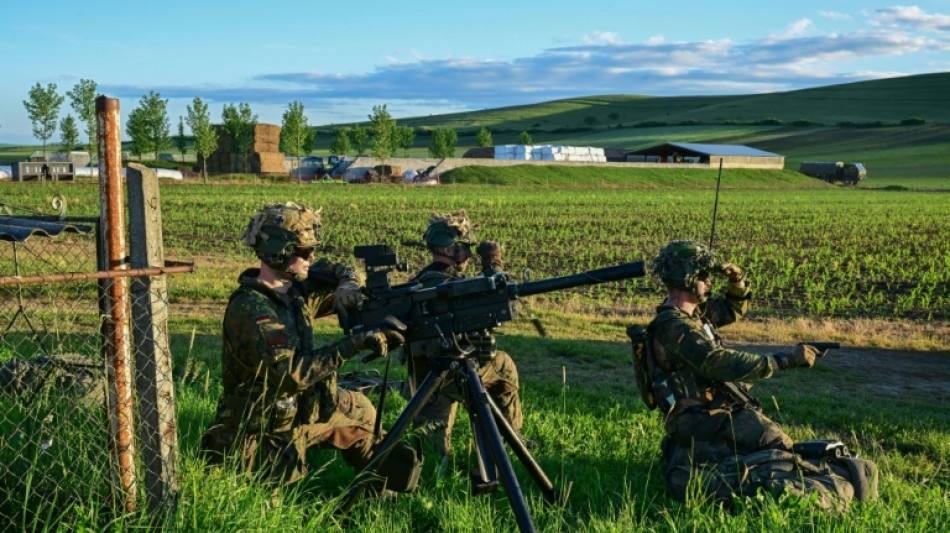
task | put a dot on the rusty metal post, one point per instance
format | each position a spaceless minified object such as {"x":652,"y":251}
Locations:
{"x":153,"y":360}
{"x":115,"y":322}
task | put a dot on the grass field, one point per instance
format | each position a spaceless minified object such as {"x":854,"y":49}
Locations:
{"x":868,"y":268}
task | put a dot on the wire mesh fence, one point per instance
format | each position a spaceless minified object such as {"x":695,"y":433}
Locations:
{"x":59,"y":444}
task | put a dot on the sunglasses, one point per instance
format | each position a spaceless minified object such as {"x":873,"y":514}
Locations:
{"x":303,"y":252}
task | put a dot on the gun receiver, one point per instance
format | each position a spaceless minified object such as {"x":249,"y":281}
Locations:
{"x":822,"y":347}
{"x":459,"y":306}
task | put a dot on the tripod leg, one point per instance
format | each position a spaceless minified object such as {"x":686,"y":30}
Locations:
{"x":485,"y":478}
{"x":429,"y":385}
{"x":551,"y":494}
{"x":477,"y":401}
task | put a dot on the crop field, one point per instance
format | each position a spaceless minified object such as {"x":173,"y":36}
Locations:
{"x":827,"y":252}
{"x":828,"y":263}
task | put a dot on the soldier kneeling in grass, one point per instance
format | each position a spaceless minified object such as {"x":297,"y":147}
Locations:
{"x":718,"y":444}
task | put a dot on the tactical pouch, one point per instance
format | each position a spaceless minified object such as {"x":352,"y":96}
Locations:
{"x":638,"y":337}
{"x":861,"y":473}
{"x":402,"y":468}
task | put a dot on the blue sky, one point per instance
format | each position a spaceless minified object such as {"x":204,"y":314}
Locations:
{"x":427,"y":57}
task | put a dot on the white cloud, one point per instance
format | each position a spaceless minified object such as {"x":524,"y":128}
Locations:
{"x":601,"y":37}
{"x":796,"y":58}
{"x":796,"y":29}
{"x":835,"y":15}
{"x":912,"y":17}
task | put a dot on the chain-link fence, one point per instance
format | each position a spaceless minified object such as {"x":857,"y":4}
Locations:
{"x":54,"y":436}
{"x":68,"y":445}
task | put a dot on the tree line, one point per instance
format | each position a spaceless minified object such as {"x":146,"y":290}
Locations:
{"x":148,"y":127}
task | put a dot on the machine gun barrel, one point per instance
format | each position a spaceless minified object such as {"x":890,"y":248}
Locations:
{"x":634,"y":269}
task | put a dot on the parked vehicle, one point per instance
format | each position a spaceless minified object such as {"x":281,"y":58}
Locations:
{"x":834,"y":171}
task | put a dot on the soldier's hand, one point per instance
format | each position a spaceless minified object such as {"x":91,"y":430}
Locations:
{"x":347,"y":297}
{"x":490,"y":253}
{"x":732,"y":272}
{"x":803,"y":355}
{"x":382,"y":340}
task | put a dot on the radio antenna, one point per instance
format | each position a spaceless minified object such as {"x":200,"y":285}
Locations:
{"x":712,"y":234}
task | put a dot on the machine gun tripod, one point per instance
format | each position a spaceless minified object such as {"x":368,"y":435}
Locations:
{"x":491,"y":433}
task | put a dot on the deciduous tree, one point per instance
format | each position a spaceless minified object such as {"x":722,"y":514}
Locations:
{"x":82,"y":97}
{"x":524,"y":138}
{"x":294,"y":132}
{"x":68,"y":134}
{"x":341,"y":142}
{"x":405,"y":136}
{"x":443,"y":142}
{"x":181,"y":142}
{"x":483,"y":138}
{"x":383,"y":127}
{"x":151,"y":129}
{"x":206,"y":138}
{"x":239,"y":124}
{"x":136,"y":129}
{"x":43,"y":109}
{"x":360,"y":138}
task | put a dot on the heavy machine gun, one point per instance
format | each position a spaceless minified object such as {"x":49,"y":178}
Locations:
{"x":449,"y":313}
{"x":454,"y":307}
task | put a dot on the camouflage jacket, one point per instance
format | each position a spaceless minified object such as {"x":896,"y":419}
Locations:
{"x":689,"y":354}
{"x":272,"y":376}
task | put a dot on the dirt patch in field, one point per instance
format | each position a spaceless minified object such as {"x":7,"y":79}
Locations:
{"x":914,"y":375}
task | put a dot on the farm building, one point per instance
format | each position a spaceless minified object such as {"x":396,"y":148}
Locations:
{"x":731,"y":155}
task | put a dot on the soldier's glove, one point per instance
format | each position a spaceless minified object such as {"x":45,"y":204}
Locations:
{"x":803,"y":355}
{"x":732,"y":272}
{"x":382,"y":340}
{"x":347,"y":297}
{"x":490,"y":252}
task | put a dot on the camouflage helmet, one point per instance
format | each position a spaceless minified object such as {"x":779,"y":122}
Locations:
{"x":278,"y":229}
{"x":449,"y":229}
{"x":680,"y":263}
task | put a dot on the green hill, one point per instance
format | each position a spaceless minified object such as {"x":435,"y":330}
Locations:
{"x":898,"y":127}
{"x":887,"y":101}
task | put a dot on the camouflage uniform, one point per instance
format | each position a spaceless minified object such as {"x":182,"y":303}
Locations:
{"x":280,"y":395}
{"x":499,"y":375}
{"x":716,"y":433}
{"x":706,"y":416}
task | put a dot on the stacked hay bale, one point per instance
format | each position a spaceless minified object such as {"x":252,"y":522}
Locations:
{"x":264,"y":157}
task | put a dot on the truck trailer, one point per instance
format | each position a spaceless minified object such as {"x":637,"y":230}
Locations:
{"x":834,"y":171}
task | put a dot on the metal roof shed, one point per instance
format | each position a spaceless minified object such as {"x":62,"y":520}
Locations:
{"x":732,"y":155}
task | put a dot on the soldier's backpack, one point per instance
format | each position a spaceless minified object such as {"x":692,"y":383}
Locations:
{"x":67,"y":374}
{"x":835,"y":480}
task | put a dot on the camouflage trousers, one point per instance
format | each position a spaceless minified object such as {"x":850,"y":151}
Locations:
{"x":281,"y":457}
{"x":714,"y":434}
{"x":716,"y":454}
{"x":500,"y":378}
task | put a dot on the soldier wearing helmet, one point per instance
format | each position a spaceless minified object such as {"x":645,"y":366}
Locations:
{"x":700,"y":385}
{"x":279,"y":391}
{"x":450,"y":237}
